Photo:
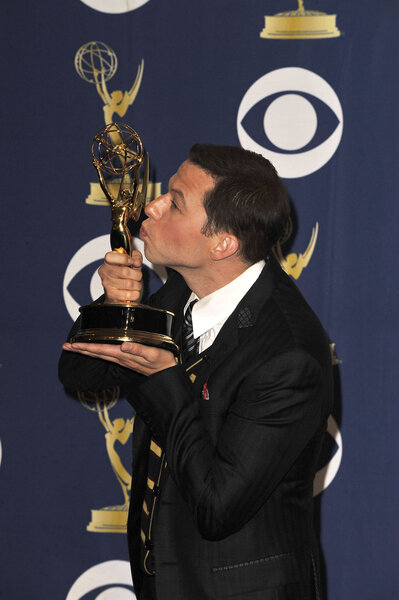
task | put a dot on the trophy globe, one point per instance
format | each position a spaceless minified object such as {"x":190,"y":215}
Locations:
{"x":94,"y":59}
{"x":117,"y":149}
{"x":118,"y":156}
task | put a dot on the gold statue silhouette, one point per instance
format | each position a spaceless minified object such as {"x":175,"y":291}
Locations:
{"x":111,"y":519}
{"x":118,"y":101}
{"x":97,"y":63}
{"x":120,"y":431}
{"x":293,"y":264}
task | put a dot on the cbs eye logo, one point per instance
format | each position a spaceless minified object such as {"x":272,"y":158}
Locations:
{"x":296,"y":105}
{"x":114,"y":6}
{"x":113,"y":577}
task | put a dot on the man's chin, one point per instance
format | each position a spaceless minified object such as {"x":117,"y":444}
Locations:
{"x":146,"y":251}
{"x":152,"y":257}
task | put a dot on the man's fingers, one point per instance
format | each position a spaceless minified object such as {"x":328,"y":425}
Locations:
{"x":118,"y":296}
{"x":140,"y":358}
{"x":108,"y":349}
{"x":137,"y":259}
{"x":116,"y":258}
{"x":109,"y":281}
{"x":90,"y":350}
{"x":136,"y":349}
{"x":148,"y":355}
{"x":120,"y":281}
{"x":119,"y":271}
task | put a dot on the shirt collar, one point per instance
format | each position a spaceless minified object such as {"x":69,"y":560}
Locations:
{"x":215,"y":308}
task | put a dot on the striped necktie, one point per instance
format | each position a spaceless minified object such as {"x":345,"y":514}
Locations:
{"x":189,"y":343}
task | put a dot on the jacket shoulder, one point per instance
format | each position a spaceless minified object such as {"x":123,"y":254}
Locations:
{"x":293,"y":320}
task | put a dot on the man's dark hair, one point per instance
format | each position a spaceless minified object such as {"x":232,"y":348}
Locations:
{"x":249,"y":199}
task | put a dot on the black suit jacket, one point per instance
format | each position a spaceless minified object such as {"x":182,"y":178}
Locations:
{"x":234,"y":517}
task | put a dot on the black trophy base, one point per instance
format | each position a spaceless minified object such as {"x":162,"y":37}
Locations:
{"x":117,"y":323}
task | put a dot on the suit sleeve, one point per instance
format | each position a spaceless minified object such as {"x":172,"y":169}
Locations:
{"x":275,"y":414}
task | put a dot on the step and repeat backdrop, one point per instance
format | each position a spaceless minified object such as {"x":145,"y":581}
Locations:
{"x":313,"y":87}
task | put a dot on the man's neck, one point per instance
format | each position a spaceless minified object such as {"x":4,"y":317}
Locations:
{"x":218,"y":274}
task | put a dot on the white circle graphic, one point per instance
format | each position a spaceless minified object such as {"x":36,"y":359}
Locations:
{"x":325,"y":475}
{"x":290,"y":122}
{"x":116,"y":593}
{"x":111,"y":572}
{"x":92,"y":252}
{"x":292,"y":79}
{"x":114,"y":6}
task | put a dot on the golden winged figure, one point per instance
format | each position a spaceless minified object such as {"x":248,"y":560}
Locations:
{"x":118,"y":101}
{"x":293,"y":264}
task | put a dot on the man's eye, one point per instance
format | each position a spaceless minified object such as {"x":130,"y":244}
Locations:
{"x":174,"y":205}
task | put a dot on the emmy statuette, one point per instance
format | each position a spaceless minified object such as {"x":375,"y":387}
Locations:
{"x":119,"y":158}
{"x":111,"y":519}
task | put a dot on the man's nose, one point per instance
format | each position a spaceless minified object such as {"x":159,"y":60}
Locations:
{"x":156,"y":207}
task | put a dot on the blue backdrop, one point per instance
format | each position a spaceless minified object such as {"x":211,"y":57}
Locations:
{"x":318,"y":94}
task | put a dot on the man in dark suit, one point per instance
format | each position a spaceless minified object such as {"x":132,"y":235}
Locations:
{"x":227,"y":438}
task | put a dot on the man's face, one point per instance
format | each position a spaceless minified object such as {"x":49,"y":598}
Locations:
{"x":172,"y":232}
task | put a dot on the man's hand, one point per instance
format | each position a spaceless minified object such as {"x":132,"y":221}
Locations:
{"x":121,"y":277}
{"x":143,"y":359}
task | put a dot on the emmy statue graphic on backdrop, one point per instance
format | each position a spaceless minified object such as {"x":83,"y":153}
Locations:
{"x":111,"y":519}
{"x":300,"y":24}
{"x":293,"y":264}
{"x":97,"y":63}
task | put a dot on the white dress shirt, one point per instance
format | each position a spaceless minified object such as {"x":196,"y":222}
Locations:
{"x":212,"y":311}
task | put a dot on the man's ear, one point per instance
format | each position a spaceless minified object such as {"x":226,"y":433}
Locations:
{"x":226,"y":245}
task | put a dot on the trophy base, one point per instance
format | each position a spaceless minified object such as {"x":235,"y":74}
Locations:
{"x":117,"y":323}
{"x":110,"y":519}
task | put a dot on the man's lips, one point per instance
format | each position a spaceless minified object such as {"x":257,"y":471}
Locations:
{"x":142,"y":233}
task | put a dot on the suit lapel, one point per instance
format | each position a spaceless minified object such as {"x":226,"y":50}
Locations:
{"x":173,"y":297}
{"x":239,"y":325}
